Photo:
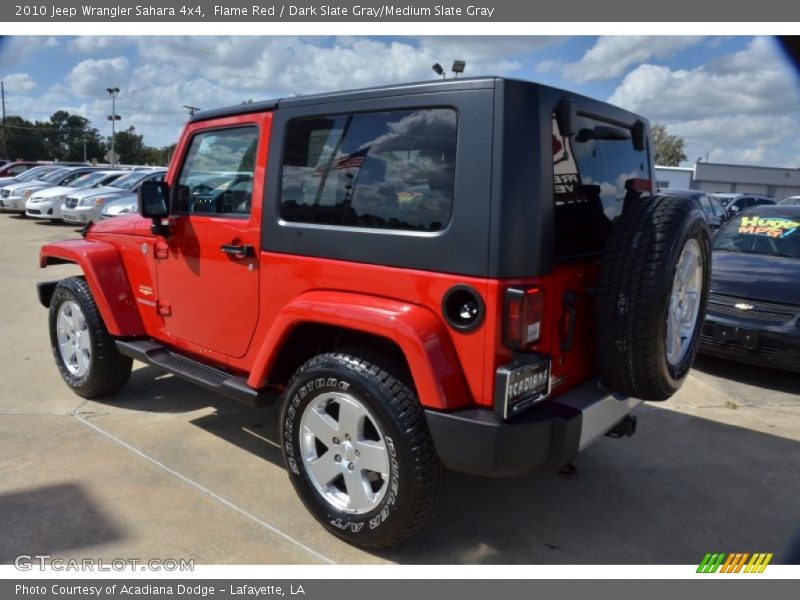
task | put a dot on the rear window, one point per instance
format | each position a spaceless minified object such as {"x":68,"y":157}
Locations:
{"x":382,"y":170}
{"x":590,"y":169}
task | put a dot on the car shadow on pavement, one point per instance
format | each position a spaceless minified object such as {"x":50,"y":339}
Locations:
{"x":759,"y":376}
{"x":50,"y":520}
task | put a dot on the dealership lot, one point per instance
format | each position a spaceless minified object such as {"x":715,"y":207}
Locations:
{"x":168,"y":470}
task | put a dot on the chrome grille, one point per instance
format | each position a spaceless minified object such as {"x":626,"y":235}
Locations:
{"x":71,"y":202}
{"x":6,"y":193}
{"x":773,"y":312}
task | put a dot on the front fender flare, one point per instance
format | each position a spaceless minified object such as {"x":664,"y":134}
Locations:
{"x":102,"y":266}
{"x":420,"y":334}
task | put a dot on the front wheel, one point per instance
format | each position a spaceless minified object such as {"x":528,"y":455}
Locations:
{"x":85,"y":353}
{"x":358,"y":450}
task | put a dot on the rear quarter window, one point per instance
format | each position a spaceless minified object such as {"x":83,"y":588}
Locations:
{"x":380,"y":170}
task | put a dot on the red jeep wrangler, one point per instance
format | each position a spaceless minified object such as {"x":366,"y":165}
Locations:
{"x":469,"y":274}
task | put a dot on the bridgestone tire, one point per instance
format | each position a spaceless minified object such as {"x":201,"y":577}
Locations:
{"x":634,"y":291}
{"x":414,"y":486}
{"x":108,"y":370}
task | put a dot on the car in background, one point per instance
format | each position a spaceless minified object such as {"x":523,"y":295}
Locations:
{"x":13,"y":197}
{"x":14,"y":168}
{"x":737,"y":203}
{"x":753,"y":310}
{"x":713,"y":209}
{"x":85,"y":205}
{"x":46,"y":203}
{"x":790,"y":201}
{"x":28,"y":175}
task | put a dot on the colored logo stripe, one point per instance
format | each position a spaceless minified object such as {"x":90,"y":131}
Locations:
{"x":735,"y":562}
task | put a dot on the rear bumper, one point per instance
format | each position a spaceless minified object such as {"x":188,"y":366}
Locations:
{"x":478,"y":441}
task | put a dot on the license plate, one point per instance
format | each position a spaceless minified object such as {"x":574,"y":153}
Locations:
{"x":726,"y":334}
{"x":524,"y":385}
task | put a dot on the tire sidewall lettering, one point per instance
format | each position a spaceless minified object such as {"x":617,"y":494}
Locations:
{"x":303,"y":396}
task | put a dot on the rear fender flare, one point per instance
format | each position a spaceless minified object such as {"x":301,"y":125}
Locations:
{"x":420,"y":334}
{"x":105,"y":273}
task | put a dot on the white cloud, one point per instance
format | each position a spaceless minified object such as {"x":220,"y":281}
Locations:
{"x":19,"y":83}
{"x":612,"y":55}
{"x":754,"y":80}
{"x":91,"y":77}
{"x":89,"y":44}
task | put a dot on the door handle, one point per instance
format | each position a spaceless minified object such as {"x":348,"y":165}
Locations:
{"x":238,"y":251}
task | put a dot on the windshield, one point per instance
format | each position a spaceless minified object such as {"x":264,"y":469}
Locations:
{"x":54,"y":177}
{"x":86,"y":180}
{"x":756,"y":233}
{"x":129,"y":181}
{"x":33,"y":173}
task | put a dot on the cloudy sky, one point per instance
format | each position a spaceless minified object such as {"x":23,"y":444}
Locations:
{"x":734,"y":99}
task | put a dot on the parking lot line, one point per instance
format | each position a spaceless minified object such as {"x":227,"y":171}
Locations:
{"x":203,"y":489}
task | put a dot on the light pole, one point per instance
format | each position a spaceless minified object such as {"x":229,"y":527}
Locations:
{"x":113,"y":92}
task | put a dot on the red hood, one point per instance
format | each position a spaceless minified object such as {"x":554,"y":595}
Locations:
{"x":124,"y":224}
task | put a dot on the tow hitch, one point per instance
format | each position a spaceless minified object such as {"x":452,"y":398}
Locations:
{"x":625,"y":428}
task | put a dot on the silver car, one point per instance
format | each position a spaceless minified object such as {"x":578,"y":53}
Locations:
{"x":46,"y":203}
{"x":85,"y":206}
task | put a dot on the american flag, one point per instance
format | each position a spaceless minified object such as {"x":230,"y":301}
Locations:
{"x":351,"y":161}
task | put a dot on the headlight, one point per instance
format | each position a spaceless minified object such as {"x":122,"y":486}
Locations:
{"x":27,"y":193}
{"x":99,"y":201}
{"x":89,"y":202}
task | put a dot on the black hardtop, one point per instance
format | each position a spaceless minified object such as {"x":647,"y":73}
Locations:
{"x":395,"y":90}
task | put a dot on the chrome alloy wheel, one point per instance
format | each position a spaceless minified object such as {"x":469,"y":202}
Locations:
{"x":74,"y":339}
{"x":344,"y":452}
{"x":684,"y":304}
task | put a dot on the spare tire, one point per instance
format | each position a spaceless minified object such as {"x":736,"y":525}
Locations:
{"x":651,"y":296}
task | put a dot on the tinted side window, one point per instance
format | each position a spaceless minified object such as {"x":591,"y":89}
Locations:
{"x":384,"y":170}
{"x":590,"y":170}
{"x":217,"y":174}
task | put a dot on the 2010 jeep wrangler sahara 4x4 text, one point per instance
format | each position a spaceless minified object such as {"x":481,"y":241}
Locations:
{"x":468,"y":275}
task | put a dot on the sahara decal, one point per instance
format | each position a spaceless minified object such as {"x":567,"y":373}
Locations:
{"x":775,"y":227}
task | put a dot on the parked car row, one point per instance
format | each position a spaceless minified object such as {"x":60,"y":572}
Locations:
{"x":74,"y":194}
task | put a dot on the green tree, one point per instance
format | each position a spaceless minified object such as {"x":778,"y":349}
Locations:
{"x":130,"y":147}
{"x":24,"y":139}
{"x":669,"y":148}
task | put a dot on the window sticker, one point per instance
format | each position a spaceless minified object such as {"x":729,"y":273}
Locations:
{"x":774,"y":227}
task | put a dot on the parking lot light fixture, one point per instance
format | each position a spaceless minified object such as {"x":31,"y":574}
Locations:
{"x":113,"y":92}
{"x":458,"y":67}
{"x":437,"y":68}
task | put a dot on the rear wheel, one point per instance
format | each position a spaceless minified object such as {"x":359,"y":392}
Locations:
{"x":651,"y":297}
{"x":85,"y":353}
{"x":358,"y":450}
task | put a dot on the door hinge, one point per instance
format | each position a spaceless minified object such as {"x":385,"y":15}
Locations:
{"x":161,"y":250}
{"x":163,"y":308}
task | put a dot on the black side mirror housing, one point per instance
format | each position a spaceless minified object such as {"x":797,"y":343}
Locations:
{"x":154,"y":204}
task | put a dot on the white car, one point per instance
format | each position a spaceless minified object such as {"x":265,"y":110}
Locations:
{"x":46,"y":203}
{"x":14,"y":196}
{"x":85,"y":205}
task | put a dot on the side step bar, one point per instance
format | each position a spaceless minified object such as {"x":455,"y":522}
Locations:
{"x":211,"y":378}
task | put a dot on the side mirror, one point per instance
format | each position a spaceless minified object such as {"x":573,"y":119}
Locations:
{"x":567,"y":116}
{"x":154,"y":204}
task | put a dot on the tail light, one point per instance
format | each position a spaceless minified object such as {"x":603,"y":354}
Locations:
{"x":522,"y":317}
